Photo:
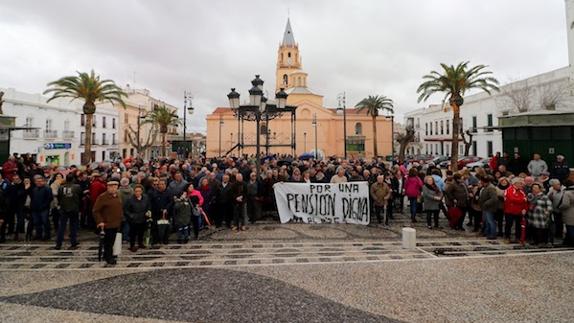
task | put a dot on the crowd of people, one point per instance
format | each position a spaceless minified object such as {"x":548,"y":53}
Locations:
{"x":149,"y":202}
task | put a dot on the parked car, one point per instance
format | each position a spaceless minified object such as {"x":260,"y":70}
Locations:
{"x":462,"y":161}
{"x":439,"y":159}
{"x":419,"y":158}
{"x":481,"y":163}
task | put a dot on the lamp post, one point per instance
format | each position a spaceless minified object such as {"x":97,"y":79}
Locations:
{"x":342,"y":106}
{"x":187,"y":105}
{"x":256,"y":109}
{"x":314,"y":123}
{"x":220,"y":125}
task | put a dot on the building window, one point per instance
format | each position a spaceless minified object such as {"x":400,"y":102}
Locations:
{"x":104,"y":138}
{"x":126,"y":135}
{"x":103,"y":155}
{"x":288,"y":54}
{"x":426,"y":129}
{"x":103,"y":122}
{"x":436,"y":149}
{"x":426,"y":148}
{"x":48,"y":124}
{"x":447,"y":127}
{"x":66,"y":125}
{"x":436,"y":127}
{"x":418,"y":125}
{"x":83,"y":120}
{"x":93,"y":121}
{"x":430,"y":128}
{"x":285,"y":79}
{"x":358,"y":128}
{"x":113,"y":123}
{"x":114,"y":139}
{"x":489,"y":123}
{"x":489,"y":149}
{"x":442,"y":127}
{"x":263,"y":129}
{"x":474,"y":148}
{"x":474,"y":124}
{"x":93,"y":138}
{"x":461,"y":124}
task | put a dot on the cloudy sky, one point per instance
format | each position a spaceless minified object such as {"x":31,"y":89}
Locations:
{"x":361,"y":47}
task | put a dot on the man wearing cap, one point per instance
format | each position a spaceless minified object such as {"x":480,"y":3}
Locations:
{"x":108,"y":212}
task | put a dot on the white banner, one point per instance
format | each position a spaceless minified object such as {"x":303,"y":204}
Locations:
{"x":323,"y":203}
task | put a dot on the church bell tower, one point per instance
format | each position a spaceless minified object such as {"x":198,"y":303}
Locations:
{"x":289,"y":73}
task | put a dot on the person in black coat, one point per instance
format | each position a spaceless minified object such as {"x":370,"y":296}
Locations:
{"x":135,"y":210}
{"x":161,"y":202}
{"x":239,"y":198}
{"x":517,"y":165}
{"x":224,"y":202}
{"x":40,"y":199}
{"x":560,"y":169}
{"x":15,"y":197}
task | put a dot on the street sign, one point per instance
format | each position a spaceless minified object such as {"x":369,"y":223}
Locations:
{"x":58,"y":145}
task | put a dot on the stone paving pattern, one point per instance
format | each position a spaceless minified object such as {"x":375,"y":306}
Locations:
{"x":294,"y":272}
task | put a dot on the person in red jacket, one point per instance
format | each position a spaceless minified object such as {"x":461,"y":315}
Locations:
{"x":515,"y":207}
{"x":413,"y":189}
{"x":97,"y":187}
{"x":493,"y":163}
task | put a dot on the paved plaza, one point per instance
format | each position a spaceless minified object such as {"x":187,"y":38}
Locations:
{"x":292,"y":273}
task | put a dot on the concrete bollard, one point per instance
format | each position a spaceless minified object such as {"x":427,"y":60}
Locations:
{"x":409,"y":238}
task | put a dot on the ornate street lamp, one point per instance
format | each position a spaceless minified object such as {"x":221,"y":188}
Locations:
{"x":258,"y":109}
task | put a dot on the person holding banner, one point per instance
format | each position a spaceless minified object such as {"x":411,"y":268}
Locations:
{"x":381,"y":193}
{"x":340,"y":176}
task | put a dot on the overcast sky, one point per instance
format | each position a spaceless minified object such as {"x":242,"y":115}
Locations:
{"x":361,"y":47}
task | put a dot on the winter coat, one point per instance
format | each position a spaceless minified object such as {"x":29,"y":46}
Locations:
{"x":488,"y":199}
{"x":540,"y":210}
{"x":556,"y":197}
{"x":380,"y":193}
{"x":567,"y":206}
{"x":515,"y":201}
{"x":413,"y":186}
{"x":560,"y":171}
{"x":69,"y":197}
{"x":125,"y":193}
{"x":197,"y":193}
{"x":160,"y":201}
{"x":456,"y":191}
{"x":431,"y":199}
{"x":135,"y":209}
{"x":109,"y":210}
{"x":97,"y":187}
{"x":537,"y":167}
{"x":40,"y":198}
{"x":182,"y":212}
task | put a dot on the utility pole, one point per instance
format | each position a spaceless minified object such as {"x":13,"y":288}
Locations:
{"x":187,"y":97}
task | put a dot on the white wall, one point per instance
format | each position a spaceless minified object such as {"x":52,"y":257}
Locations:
{"x":66,"y":127}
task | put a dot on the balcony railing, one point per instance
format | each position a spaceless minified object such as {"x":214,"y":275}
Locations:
{"x":32,"y":134}
{"x":50,"y":134}
{"x":68,"y":134}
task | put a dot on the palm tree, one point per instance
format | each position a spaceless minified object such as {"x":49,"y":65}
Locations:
{"x":373,"y":104}
{"x":91,"y":89}
{"x":454,"y":82}
{"x":163,"y":118}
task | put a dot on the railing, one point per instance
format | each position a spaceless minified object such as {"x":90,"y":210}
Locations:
{"x":68,"y":134}
{"x":31,"y":134}
{"x":50,"y":134}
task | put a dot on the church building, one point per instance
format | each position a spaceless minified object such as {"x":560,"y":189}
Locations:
{"x":222,"y":124}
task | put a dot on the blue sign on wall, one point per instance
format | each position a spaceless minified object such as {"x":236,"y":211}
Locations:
{"x":58,"y":145}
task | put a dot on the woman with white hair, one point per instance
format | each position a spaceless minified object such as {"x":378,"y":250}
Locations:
{"x":515,"y":207}
{"x":556,"y":195}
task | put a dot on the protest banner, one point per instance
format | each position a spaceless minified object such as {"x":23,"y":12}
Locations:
{"x":323,"y":203}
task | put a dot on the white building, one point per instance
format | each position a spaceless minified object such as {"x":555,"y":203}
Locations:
{"x":552,"y":91}
{"x":59,"y":132}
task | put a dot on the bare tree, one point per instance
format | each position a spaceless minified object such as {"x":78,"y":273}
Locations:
{"x":135,"y":139}
{"x":404,"y":139}
{"x":518,"y":97}
{"x":554,"y":94}
{"x":467,"y":142}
